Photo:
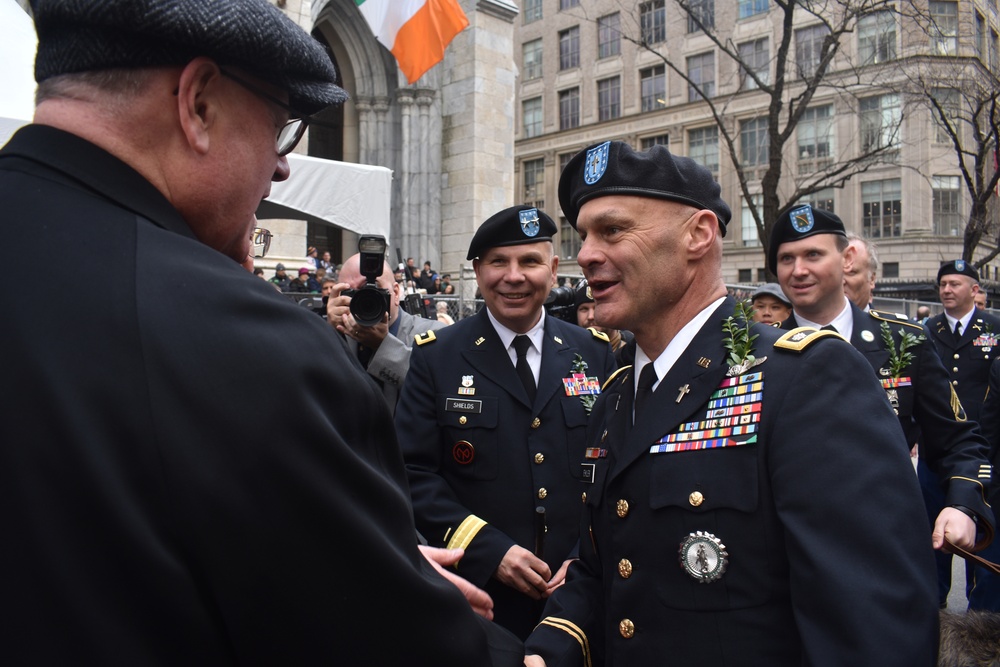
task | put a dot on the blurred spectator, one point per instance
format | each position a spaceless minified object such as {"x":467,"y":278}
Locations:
{"x":446,"y":286}
{"x":585,"y":309}
{"x":301,"y":284}
{"x":770,"y":305}
{"x":426,"y":279}
{"x":281,"y":279}
{"x":923,"y":314}
{"x":259,"y":272}
{"x":979,"y":298}
{"x":326,"y":262}
{"x":442,"y":313}
{"x":860,"y":270}
{"x":312,"y":261}
{"x":435,"y":285}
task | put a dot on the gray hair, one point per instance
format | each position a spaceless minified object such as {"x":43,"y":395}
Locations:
{"x":870,"y":248}
{"x":117,"y":87}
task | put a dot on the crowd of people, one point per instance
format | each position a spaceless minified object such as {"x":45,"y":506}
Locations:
{"x":676,"y":477}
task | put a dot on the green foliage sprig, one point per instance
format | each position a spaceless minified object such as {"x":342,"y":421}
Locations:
{"x":580,"y":366}
{"x":739,"y":341}
{"x":901,"y":358}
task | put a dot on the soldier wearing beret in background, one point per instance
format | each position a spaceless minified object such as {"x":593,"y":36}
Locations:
{"x":743,"y":515}
{"x":809,"y":251}
{"x":492,"y":420}
{"x":159,"y":507}
{"x":967,"y":340}
{"x":584,"y":305}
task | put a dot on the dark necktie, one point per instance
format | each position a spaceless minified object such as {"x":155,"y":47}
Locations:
{"x":829,"y":327}
{"x":647,"y":378}
{"x":957,"y":333}
{"x":521,"y":344}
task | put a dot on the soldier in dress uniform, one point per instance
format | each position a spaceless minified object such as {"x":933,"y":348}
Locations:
{"x":809,"y":252}
{"x":740,"y":513}
{"x":493,"y":433}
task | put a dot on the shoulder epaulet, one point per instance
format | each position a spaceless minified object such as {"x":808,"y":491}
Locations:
{"x":895,"y":318}
{"x":424,"y":338}
{"x":611,"y":378}
{"x":800,"y":338}
{"x":600,"y":335}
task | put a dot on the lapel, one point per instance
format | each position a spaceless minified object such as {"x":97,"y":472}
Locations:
{"x":938,"y":326}
{"x":487,"y":354}
{"x":874,"y":349}
{"x":665,"y":413}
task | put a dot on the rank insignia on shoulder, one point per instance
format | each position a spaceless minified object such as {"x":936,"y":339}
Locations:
{"x":800,"y":338}
{"x":424,"y":338}
{"x":599,"y":335}
{"x":703,"y":556}
{"x":894,"y":318}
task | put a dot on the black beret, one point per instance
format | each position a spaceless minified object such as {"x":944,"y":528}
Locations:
{"x":614,"y":168}
{"x":959,"y":266}
{"x":583,"y":294}
{"x":512,"y":226}
{"x":799,"y":222}
{"x":253,"y":35}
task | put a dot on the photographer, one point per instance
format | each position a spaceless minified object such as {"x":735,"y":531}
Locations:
{"x":382,"y":348}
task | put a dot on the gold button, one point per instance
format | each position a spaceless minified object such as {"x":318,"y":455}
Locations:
{"x":463,"y":419}
{"x":583,"y":497}
{"x":536,"y":422}
{"x":542,"y":493}
{"x":956,"y":356}
{"x":625,"y":568}
{"x":954,"y":382}
{"x":622,"y":507}
{"x":955,"y":369}
{"x":696,"y":499}
{"x":627,"y":628}
{"x":539,"y":458}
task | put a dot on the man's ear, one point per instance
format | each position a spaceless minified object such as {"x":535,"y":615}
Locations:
{"x":197,"y":101}
{"x":555,"y":268}
{"x":703,"y":229}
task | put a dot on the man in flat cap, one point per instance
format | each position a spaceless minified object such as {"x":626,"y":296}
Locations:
{"x":719,"y":528}
{"x":966,"y":337}
{"x":810,"y":264}
{"x":159,"y":506}
{"x":770,"y":305}
{"x":492,"y":420}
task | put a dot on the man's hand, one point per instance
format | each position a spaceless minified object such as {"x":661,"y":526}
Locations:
{"x":523,"y":572}
{"x":956,"y":526}
{"x":560,"y":577}
{"x":479,"y":600}
{"x":533,"y":661}
{"x":338,"y":313}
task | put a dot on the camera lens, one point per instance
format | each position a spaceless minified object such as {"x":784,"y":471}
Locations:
{"x":368,"y":306}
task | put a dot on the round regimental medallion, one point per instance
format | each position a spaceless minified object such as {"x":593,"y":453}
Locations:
{"x":703,"y":556}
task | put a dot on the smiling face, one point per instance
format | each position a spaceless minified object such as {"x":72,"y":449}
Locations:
{"x":515,"y":280}
{"x":957,"y":293}
{"x":811,"y":274}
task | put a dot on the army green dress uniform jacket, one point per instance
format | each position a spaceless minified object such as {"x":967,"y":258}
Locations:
{"x":796,"y":537}
{"x":968,"y":359}
{"x":925,"y":402}
{"x":480,"y":459}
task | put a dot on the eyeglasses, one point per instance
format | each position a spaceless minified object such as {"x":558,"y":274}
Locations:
{"x":261,"y":239}
{"x":291,"y":133}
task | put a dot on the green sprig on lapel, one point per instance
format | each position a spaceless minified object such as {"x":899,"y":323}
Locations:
{"x":901,"y":358}
{"x":738,"y":340}
{"x":580,"y":366}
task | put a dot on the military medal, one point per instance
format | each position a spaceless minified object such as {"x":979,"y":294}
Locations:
{"x":467,"y":389}
{"x":703,"y":556}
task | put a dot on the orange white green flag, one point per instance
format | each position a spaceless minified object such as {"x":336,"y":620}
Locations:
{"x":416,"y":31}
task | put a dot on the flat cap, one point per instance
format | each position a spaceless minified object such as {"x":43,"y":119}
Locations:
{"x":771,"y":289}
{"x":253,"y":35}
{"x":516,"y":225}
{"x":799,"y":222}
{"x":614,"y":168}
{"x":959,"y":266}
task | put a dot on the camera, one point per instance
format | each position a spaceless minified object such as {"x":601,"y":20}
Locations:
{"x":370,"y":303}
{"x":561,"y":303}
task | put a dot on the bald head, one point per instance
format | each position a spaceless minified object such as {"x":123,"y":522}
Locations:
{"x":350,"y":273}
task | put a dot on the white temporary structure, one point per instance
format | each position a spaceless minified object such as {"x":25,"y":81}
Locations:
{"x":354,"y":197}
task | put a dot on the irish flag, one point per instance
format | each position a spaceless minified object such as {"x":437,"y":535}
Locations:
{"x":416,"y":31}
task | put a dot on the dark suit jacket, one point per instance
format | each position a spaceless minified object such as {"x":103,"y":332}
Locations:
{"x":489,"y":461}
{"x":967,"y":360}
{"x":925,"y":403}
{"x":990,"y":424}
{"x":193,"y":471}
{"x":819,"y":513}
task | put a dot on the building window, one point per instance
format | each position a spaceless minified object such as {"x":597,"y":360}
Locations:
{"x":658,"y":140}
{"x":653,"y":84}
{"x":815,"y":139}
{"x":653,"y":22}
{"x":701,"y":71}
{"x":881,"y":208}
{"x":531,"y":112}
{"x":531,"y":59}
{"x":750,"y":8}
{"x":744,"y":276}
{"x":980,"y":37}
{"x":947,"y":104}
{"x":753,"y":58}
{"x":994,"y":55}
{"x":890,"y":269}
{"x":944,"y":28}
{"x":703,"y":10}
{"x":703,"y":147}
{"x":564,"y":159}
{"x":877,"y":37}
{"x":609,"y":36}
{"x":568,"y":4}
{"x":534,"y":180}
{"x":569,"y":108}
{"x":822,"y":200}
{"x":569,"y":48}
{"x":880,"y":120}
{"x":532,"y":10}
{"x":569,"y":240}
{"x":748,"y":226}
{"x":609,"y":98}
{"x":754,"y":143}
{"x":947,"y":205}
{"x":809,"y":49}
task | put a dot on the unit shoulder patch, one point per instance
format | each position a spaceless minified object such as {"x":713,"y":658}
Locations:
{"x":800,"y":338}
{"x":424,"y":338}
{"x":600,"y":335}
{"x":894,"y":318}
{"x":611,"y":378}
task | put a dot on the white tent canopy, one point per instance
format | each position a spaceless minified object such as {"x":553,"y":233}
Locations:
{"x":351,"y":196}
